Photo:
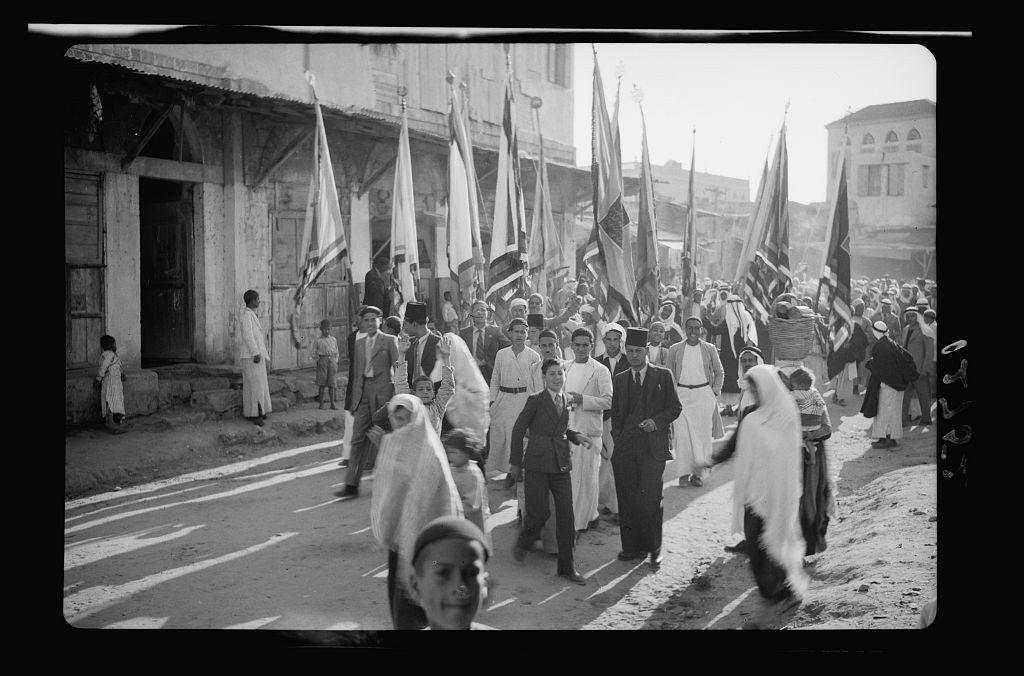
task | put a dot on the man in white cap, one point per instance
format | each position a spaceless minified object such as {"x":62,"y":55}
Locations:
{"x":512,"y":382}
{"x":697,"y":378}
{"x":615,"y":363}
{"x":883,"y":399}
{"x":737,"y":331}
{"x":885,"y":314}
{"x":517,"y":309}
{"x":588,"y":320}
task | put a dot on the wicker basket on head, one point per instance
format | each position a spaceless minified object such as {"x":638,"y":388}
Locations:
{"x":791,"y":338}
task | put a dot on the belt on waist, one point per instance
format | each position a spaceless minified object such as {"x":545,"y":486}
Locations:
{"x":513,"y":390}
{"x":693,"y":387}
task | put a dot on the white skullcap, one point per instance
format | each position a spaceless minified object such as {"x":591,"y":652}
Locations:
{"x":517,"y":302}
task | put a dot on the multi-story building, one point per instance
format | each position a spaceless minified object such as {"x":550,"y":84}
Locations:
{"x":889,"y":151}
{"x":187,"y":170}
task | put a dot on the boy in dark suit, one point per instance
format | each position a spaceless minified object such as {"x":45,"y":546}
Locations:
{"x":546,"y":417}
{"x":644,"y":404}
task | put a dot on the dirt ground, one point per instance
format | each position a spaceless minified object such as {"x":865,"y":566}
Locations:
{"x":879,"y":570}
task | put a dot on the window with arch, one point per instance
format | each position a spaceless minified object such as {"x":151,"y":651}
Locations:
{"x":913,"y":135}
{"x":891,"y":137}
{"x":868,"y":140}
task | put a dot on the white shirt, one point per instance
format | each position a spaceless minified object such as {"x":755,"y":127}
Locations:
{"x":515,"y":370}
{"x":368,"y":371}
{"x":692,"y":370}
{"x":613,"y":362}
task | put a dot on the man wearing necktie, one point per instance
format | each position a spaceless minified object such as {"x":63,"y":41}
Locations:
{"x":484,"y":341}
{"x":547,"y":465}
{"x":644,"y":404}
{"x":422,"y":354}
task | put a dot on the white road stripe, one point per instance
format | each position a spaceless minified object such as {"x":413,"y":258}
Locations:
{"x":81,"y":554}
{"x":322,"y":504}
{"x":503,"y":603}
{"x":563,"y":589}
{"x":139,"y":623}
{"x":82,"y":604}
{"x":202,"y":475}
{"x":254,"y":624}
{"x":729,"y":607}
{"x":206,"y":498}
{"x":361,"y":531}
{"x":131,"y":502}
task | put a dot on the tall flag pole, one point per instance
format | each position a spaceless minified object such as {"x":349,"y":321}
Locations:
{"x":608,"y":254}
{"x":323,"y":235}
{"x":754,"y":226}
{"x":547,"y":253}
{"x":404,"y":240}
{"x":649,"y":283}
{"x":835,"y":276}
{"x":464,"y":249}
{"x":508,"y":261}
{"x":689,"y":262}
{"x":768,"y":275}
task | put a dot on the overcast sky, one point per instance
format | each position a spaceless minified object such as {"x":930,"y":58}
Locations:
{"x":735,"y":95}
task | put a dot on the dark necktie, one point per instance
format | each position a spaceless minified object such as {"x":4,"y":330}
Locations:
{"x":906,"y":341}
{"x":478,"y":349}
{"x":558,"y":404}
{"x":636,"y":378}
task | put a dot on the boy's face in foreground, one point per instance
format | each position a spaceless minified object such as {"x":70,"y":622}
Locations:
{"x":450,"y":582}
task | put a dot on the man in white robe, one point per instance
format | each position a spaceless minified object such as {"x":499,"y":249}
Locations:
{"x":698,"y":374}
{"x":254,"y":356}
{"x":589,"y":392}
{"x":512,"y":382}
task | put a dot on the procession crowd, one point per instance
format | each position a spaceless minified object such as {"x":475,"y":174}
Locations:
{"x":578,"y":416}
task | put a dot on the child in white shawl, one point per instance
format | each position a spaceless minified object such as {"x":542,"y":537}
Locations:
{"x":413,"y":486}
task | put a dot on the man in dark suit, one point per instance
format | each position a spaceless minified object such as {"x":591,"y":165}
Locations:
{"x":484,"y":341}
{"x":546,"y":462}
{"x":379,"y":286}
{"x":373,"y":357}
{"x":615,"y":361}
{"x":644,"y":404}
{"x":349,"y":419}
{"x":422,"y":353}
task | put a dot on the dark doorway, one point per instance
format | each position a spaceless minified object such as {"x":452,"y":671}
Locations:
{"x":165,"y":218}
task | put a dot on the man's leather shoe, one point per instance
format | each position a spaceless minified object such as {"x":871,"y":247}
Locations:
{"x":574,"y":576}
{"x":738,"y":548}
{"x":518,"y":551}
{"x":630,"y":556}
{"x":347,"y":493}
{"x":656,"y":558}
{"x":696,"y":481}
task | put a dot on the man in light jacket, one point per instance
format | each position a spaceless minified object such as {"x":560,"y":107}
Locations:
{"x":698,"y":374}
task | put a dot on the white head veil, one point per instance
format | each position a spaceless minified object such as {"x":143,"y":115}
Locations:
{"x":769,"y":473}
{"x":412,"y":485}
{"x":737,"y":318}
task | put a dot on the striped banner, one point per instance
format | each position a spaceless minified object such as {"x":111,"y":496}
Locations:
{"x":649,"y":284}
{"x":835,"y":276}
{"x":465,"y":259}
{"x":769,"y":275}
{"x":609,"y":254}
{"x":508,"y":261}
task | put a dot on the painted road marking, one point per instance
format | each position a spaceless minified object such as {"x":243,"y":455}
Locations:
{"x":82,"y":604}
{"x":131,"y":502}
{"x":82,"y":554}
{"x":729,"y":607}
{"x":322,"y":504}
{"x":272,"y":481}
{"x":254,"y":624}
{"x":202,"y":475}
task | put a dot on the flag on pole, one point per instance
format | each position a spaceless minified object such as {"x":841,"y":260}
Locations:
{"x":546,"y":252}
{"x":689,"y":262}
{"x":754,"y":233}
{"x":404,"y":240}
{"x":608,"y":254}
{"x":323,"y":235}
{"x":464,"y":248}
{"x":508,"y":261}
{"x":649,"y":283}
{"x":768,"y":275}
{"x":835,"y":276}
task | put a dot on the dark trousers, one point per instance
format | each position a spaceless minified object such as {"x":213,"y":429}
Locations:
{"x":537,"y":486}
{"x":639,"y":490}
{"x":376,"y":393}
{"x":924,"y":398}
{"x":770,"y":576}
{"x":404,"y":613}
{"x":814,"y":501}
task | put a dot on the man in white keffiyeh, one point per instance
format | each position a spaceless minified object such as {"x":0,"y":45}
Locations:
{"x":737,"y":331}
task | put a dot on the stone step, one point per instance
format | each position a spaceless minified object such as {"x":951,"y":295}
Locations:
{"x":219,"y":401}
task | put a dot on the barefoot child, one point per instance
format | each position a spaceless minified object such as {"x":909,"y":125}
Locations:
{"x":461,"y":447}
{"x":108,"y":382}
{"x":325,"y":349}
